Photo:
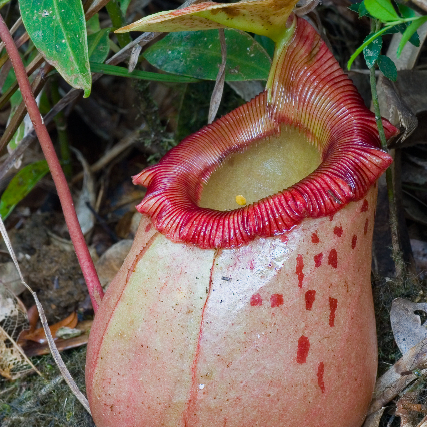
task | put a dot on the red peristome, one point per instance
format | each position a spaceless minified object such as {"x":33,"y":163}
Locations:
{"x":311,"y":93}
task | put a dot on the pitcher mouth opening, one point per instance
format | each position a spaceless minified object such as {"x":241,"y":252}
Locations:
{"x":264,"y":168}
{"x":313,"y":98}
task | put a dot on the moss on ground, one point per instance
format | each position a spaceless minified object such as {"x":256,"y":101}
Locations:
{"x":46,"y":401}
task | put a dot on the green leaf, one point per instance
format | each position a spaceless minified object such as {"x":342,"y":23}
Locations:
{"x":372,"y":50}
{"x":393,"y":30}
{"x":198,"y":54}
{"x":382,"y":9}
{"x":409,"y":32}
{"x":114,"y":70}
{"x":124,"y":4}
{"x":406,"y":11}
{"x":3,"y":3}
{"x":93,"y":25}
{"x":98,"y":45}
{"x":387,"y":67}
{"x":58,"y":30}
{"x":414,"y":39}
{"x":267,"y":44}
{"x":367,"y":41}
{"x":22,"y":183}
{"x":363,"y":11}
{"x":355,"y":7}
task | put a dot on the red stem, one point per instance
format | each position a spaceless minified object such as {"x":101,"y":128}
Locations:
{"x":94,"y":287}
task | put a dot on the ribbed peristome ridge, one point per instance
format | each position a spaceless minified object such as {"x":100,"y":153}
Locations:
{"x":309,"y":92}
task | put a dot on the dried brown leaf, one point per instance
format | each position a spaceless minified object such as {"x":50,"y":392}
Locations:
{"x":373,"y":420}
{"x":13,"y":320}
{"x":39,"y":335}
{"x":406,"y":325}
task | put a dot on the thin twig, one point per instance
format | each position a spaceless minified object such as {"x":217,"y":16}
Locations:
{"x":82,"y":251}
{"x":306,"y":8}
{"x":15,"y":26}
{"x":21,"y":112}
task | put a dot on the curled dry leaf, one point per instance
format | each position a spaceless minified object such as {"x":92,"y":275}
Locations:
{"x":219,"y":84}
{"x":111,"y":260}
{"x":419,"y":249}
{"x":399,"y":376}
{"x":407,"y":328}
{"x":66,"y":332}
{"x":247,"y":90}
{"x":407,"y":409}
{"x":13,"y":320}
{"x":10,"y":278}
{"x":39,"y":335}
{"x":87,"y":196}
{"x":65,"y":342}
{"x":373,"y":420}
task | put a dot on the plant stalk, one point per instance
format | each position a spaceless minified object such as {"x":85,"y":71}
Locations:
{"x":82,"y":251}
{"x":118,"y":21}
{"x":396,"y":250}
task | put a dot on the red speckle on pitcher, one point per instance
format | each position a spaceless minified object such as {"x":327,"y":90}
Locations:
{"x":333,"y":258}
{"x":318,"y":259}
{"x":148,"y":228}
{"x":298,"y":270}
{"x":284,"y":238}
{"x":256,"y":300}
{"x":333,"y":304}
{"x":315,"y":238}
{"x":276,"y":300}
{"x":366,"y":226}
{"x":320,"y":372}
{"x":365,"y":206}
{"x":338,"y":231}
{"x":310,"y":296}
{"x":303,"y":349}
{"x":353,"y":241}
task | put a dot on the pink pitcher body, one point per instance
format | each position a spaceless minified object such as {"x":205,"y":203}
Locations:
{"x":280,"y":332}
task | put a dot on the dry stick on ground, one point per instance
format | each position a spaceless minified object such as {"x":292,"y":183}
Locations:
{"x":82,"y":251}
